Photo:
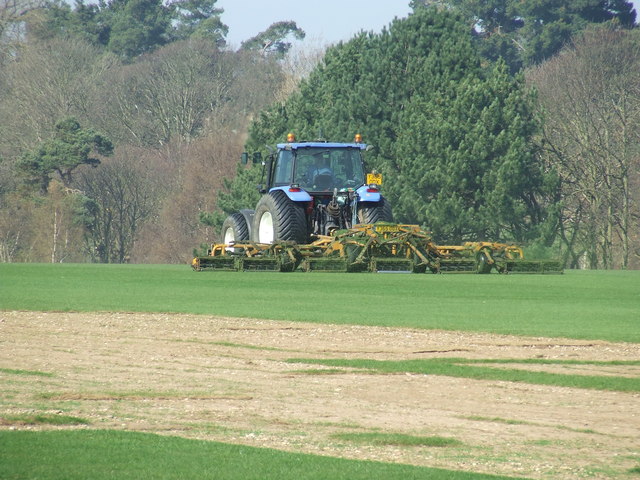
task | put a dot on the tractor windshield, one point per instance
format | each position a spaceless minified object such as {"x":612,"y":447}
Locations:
{"x":320,"y":169}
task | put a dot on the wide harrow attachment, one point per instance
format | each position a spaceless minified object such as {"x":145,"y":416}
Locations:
{"x":379,"y":247}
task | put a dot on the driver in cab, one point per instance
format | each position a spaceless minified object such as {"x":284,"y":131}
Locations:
{"x":319,"y":176}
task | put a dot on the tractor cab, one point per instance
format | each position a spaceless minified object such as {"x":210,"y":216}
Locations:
{"x":318,"y":168}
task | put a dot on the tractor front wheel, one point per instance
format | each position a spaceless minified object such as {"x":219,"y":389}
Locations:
{"x":278,"y":218}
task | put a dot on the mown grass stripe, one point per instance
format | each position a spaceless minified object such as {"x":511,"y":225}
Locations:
{"x":396,"y":439}
{"x":41,"y":419}
{"x":464,"y":368}
{"x":12,"y":371}
{"x":106,"y":455}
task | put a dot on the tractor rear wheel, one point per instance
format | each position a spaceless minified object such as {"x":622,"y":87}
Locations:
{"x":372,"y":212}
{"x":278,"y":218}
{"x":235,"y":229}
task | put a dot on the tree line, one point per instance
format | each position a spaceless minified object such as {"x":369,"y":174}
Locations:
{"x":123,"y":122}
{"x":107,"y":153}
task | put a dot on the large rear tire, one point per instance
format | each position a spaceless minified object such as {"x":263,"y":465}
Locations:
{"x":278,"y":218}
{"x":372,"y":212}
{"x":235,"y":229}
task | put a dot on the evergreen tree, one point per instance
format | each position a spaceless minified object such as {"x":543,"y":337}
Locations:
{"x":466,"y":167}
{"x":526,"y":33}
{"x":200,"y":19}
{"x":70,"y":147}
{"x":137,"y":26}
{"x":130,"y":28}
{"x":273,"y":40}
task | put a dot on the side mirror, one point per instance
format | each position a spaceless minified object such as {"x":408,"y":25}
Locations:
{"x":244,"y":158}
{"x":257,"y":157}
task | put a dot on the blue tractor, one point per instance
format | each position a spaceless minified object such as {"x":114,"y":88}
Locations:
{"x":312,"y":189}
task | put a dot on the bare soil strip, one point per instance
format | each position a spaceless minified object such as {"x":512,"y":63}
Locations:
{"x":227,"y":379}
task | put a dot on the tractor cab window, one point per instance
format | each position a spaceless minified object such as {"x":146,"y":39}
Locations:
{"x":284,"y":168}
{"x":347,"y":168}
{"x":311,"y":163}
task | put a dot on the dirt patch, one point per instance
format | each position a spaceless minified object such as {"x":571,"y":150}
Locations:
{"x":228,"y":379}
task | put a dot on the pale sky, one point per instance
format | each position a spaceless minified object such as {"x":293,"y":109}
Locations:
{"x":324,"y":21}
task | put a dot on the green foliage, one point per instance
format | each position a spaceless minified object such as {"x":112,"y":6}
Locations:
{"x":453,"y":139}
{"x":70,"y":147}
{"x":130,"y":28}
{"x":273,"y":40}
{"x":137,"y":26}
{"x":59,"y":19}
{"x":100,"y":454}
{"x":527,"y":33}
{"x":200,"y":19}
{"x":570,"y":305}
{"x":466,"y":368}
{"x":467,"y":168}
{"x":271,"y":127}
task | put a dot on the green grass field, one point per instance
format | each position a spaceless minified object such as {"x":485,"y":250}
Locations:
{"x":585,"y":305}
{"x":581,"y":305}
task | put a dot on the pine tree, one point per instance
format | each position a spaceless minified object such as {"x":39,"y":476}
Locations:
{"x":70,"y":146}
{"x":526,"y":33}
{"x":467,"y":169}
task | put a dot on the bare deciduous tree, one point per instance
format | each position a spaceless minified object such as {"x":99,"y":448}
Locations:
{"x":47,"y":82}
{"x":33,"y":230}
{"x":297,"y":65}
{"x":178,"y":118}
{"x":169,"y":94}
{"x":590,"y":94}
{"x":199,"y":168}
{"x":13,"y":11}
{"x":118,"y":199}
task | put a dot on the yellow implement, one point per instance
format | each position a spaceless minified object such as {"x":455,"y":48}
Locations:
{"x":378,"y":247}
